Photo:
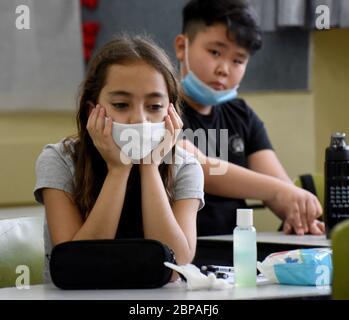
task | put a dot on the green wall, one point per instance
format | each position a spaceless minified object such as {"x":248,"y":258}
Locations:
{"x":289,"y":119}
{"x":22,"y":137}
{"x":331,"y":87}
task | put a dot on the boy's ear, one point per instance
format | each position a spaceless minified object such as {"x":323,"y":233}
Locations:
{"x":179,"y":45}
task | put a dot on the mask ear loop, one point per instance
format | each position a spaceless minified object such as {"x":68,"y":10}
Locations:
{"x":186,"y":52}
{"x":186,"y":56}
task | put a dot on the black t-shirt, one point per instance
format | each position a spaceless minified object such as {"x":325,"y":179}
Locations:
{"x":244,"y":134}
{"x":131,"y":222}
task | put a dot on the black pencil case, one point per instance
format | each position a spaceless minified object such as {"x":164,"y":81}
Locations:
{"x":110,"y":264}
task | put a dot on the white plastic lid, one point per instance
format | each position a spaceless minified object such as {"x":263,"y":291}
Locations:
{"x":244,"y":217}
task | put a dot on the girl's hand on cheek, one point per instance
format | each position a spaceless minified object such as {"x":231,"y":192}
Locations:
{"x":173,"y":126}
{"x":100,"y":131}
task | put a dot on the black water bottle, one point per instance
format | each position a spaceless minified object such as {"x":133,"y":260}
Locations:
{"x":336,"y":182}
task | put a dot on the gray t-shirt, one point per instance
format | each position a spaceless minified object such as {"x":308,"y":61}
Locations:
{"x":55,"y":169}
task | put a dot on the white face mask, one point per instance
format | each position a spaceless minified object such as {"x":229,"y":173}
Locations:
{"x":138,"y":140}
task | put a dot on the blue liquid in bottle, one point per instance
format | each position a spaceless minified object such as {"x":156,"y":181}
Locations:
{"x":245,"y":250}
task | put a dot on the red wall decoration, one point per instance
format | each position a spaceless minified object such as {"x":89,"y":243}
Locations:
{"x":90,"y":29}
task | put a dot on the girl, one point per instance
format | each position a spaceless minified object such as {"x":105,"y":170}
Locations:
{"x":90,"y":190}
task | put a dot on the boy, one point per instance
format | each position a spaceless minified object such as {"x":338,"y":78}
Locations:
{"x":214,"y":49}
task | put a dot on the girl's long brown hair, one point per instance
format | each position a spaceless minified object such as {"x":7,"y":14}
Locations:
{"x":90,"y":167}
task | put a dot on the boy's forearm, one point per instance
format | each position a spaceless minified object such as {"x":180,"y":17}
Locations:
{"x":233,"y":181}
{"x":266,"y":162}
{"x":239,"y":182}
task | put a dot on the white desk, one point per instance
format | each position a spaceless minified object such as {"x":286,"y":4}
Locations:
{"x":280,"y":238}
{"x":172,"y":291}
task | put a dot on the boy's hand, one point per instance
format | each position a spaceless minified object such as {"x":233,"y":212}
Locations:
{"x":317,"y":228}
{"x":298,"y":209}
{"x":101,"y":135}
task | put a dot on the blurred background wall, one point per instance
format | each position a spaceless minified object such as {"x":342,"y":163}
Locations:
{"x":41,"y":67}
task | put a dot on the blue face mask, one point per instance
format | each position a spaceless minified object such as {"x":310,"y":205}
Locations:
{"x":201,"y":93}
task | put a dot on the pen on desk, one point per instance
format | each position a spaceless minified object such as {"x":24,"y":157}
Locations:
{"x":214,"y":268}
{"x":221,"y":275}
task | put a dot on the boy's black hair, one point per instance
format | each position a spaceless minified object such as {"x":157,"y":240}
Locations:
{"x":237,"y":15}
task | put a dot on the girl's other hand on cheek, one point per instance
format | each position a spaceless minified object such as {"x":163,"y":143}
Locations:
{"x":100,"y":129}
{"x":173,"y":126}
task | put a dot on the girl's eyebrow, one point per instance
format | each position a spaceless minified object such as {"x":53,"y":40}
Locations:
{"x":119,"y":93}
{"x":155,"y":94}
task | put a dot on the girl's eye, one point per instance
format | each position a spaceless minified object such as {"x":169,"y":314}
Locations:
{"x":155,"y":107}
{"x":120,"y":105}
{"x":215,"y":53}
{"x":237,"y":61}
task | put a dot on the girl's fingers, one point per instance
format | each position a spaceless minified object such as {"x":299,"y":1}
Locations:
{"x":178,"y":117}
{"x":107,"y":132}
{"x":100,"y":120}
{"x":169,"y":125}
{"x":91,"y":119}
{"x":173,"y":117}
{"x":176,"y":120}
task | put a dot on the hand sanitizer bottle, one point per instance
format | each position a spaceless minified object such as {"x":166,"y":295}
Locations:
{"x":245,"y":250}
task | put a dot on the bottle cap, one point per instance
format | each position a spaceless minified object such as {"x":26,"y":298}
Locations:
{"x":338,"y":140}
{"x":244,"y":217}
